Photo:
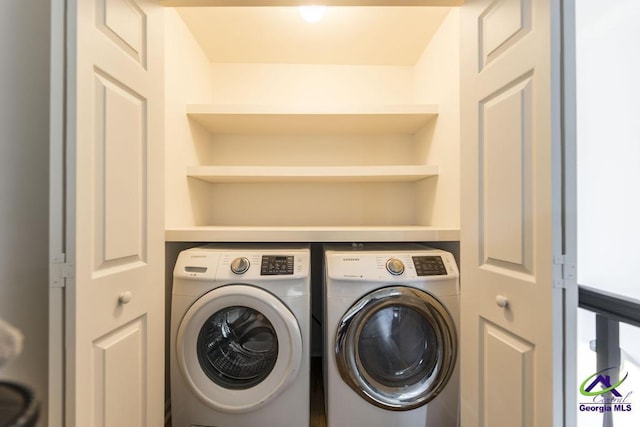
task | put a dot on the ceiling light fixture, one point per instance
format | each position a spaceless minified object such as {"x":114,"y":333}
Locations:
{"x":312,"y":13}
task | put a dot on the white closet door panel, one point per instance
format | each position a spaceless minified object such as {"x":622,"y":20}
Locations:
{"x":120,"y":174}
{"x":512,"y":331}
{"x":119,"y":388}
{"x":115,"y":231}
{"x":505,"y":398}
{"x":124,"y":22}
{"x":506,"y":179}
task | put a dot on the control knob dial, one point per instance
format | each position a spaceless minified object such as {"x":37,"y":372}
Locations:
{"x":240,"y":265}
{"x":395,"y":266}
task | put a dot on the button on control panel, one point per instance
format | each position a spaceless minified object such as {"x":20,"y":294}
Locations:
{"x":273,"y":265}
{"x":429,"y":265}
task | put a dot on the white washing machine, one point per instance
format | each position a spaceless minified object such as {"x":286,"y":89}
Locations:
{"x":240,"y":330}
{"x":391,"y":342}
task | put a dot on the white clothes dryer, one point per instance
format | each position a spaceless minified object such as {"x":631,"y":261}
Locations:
{"x":240,"y":331}
{"x":391,"y":316}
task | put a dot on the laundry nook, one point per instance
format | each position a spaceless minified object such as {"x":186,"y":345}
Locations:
{"x":277,"y":215}
{"x":342,"y":130}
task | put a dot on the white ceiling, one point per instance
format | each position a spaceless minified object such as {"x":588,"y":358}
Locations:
{"x":346,"y":35}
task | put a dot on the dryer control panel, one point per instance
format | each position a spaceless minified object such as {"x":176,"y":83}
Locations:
{"x":429,"y":265}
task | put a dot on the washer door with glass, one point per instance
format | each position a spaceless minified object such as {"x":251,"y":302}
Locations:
{"x":238,"y":347}
{"x":396,"y":347}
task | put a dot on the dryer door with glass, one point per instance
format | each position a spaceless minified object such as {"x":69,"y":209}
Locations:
{"x":396,"y":347}
{"x":238,"y":347}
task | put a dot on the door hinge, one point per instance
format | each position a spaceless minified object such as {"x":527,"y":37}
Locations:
{"x":59,"y":270}
{"x":566,"y":273}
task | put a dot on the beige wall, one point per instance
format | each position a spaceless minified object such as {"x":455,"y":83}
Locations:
{"x":437,"y":80}
{"x":24,"y":183}
{"x":191,"y":78}
{"x":294,"y":85}
{"x":188,"y":80}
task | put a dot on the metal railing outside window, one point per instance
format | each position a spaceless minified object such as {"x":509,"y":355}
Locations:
{"x":610,"y":310}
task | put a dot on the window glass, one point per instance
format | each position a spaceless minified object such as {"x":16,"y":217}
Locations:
{"x":608,"y":151}
{"x":608,"y":155}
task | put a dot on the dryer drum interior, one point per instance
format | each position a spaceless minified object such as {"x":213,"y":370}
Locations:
{"x":397,"y":347}
{"x":237,"y":347}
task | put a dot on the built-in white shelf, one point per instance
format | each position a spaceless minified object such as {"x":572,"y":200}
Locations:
{"x":312,"y":234}
{"x":385,"y":215}
{"x":265,"y":120}
{"x":253,"y":174}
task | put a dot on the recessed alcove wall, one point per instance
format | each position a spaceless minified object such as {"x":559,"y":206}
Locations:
{"x":385,"y":193}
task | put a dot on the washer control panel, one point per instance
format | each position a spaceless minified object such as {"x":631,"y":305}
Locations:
{"x":235,"y":262}
{"x":431,"y":265}
{"x":275,"y":265}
